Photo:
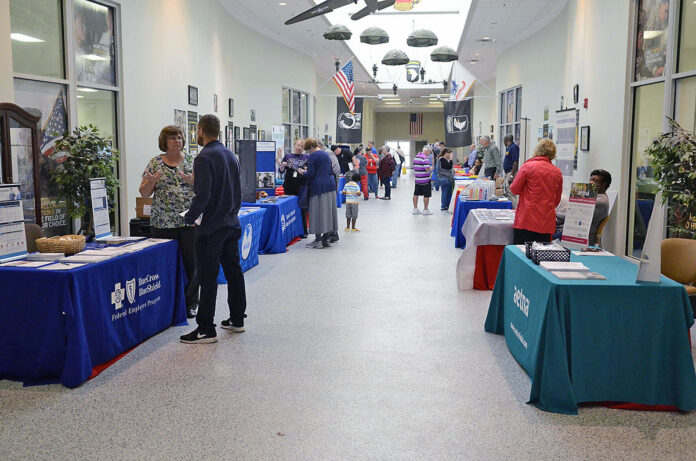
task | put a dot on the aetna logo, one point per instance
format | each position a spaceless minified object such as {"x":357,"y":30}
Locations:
{"x":521,"y":301}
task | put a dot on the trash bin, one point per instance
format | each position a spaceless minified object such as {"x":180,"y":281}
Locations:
{"x":140,"y":227}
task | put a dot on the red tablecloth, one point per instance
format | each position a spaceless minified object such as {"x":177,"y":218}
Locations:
{"x":487,"y":262}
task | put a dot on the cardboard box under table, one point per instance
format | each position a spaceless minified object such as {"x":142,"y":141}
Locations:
{"x":610,"y":340}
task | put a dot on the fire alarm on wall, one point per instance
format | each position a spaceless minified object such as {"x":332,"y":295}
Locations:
{"x":584,"y":103}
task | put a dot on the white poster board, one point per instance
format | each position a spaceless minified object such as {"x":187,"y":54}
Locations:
{"x":278,"y":136}
{"x":13,"y":239}
{"x":566,"y":144}
{"x":100,"y":208}
{"x":581,"y":205}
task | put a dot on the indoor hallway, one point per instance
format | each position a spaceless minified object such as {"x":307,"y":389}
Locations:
{"x":364,"y":350}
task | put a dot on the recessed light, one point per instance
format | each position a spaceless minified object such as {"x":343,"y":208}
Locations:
{"x":25,"y":38}
{"x":477,"y":54}
{"x":282,"y":4}
{"x":486,"y":39}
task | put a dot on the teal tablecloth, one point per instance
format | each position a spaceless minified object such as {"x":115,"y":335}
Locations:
{"x":594,"y":341}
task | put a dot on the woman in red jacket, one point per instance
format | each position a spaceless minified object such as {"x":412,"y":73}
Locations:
{"x":539,"y":184}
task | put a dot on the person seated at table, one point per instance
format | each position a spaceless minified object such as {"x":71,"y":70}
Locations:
{"x":601,"y":179}
{"x":538,"y":184}
{"x":478,"y":164}
{"x":170,"y":177}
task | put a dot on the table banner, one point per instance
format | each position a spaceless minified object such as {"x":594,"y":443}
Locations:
{"x":282,"y":223}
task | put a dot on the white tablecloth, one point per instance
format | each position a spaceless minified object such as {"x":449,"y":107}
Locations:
{"x":482,"y":227}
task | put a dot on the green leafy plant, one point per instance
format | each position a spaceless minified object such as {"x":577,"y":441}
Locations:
{"x":673,"y":156}
{"x":88,"y":155}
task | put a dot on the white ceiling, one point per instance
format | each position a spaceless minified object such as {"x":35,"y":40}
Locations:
{"x":507,"y":21}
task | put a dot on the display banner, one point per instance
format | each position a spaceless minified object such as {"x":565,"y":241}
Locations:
{"x":578,"y":219}
{"x":566,"y":144}
{"x":100,"y":208}
{"x":349,"y":126}
{"x":278,"y":136}
{"x":458,"y":123}
{"x":265,"y":166}
{"x":13,"y":239}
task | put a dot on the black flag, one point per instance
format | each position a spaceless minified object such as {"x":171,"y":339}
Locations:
{"x":349,"y":126}
{"x":458,"y":123}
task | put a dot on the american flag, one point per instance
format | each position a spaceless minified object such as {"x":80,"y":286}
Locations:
{"x":416,"y":127}
{"x":55,"y":126}
{"x":344,"y":80}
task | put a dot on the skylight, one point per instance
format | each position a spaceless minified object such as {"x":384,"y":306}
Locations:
{"x":446,"y":18}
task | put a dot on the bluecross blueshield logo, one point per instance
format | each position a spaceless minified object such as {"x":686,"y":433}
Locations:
{"x":246,"y":241}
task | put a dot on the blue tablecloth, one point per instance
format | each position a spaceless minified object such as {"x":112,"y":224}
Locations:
{"x":251,"y":223}
{"x":593,"y":341}
{"x":281,"y":224}
{"x":461,"y":211}
{"x":57,"y":325}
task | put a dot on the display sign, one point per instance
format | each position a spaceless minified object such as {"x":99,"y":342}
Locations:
{"x":265,"y":166}
{"x":278,"y":136}
{"x":581,"y":205}
{"x":13,"y":240}
{"x":566,"y":144}
{"x":100,"y":208}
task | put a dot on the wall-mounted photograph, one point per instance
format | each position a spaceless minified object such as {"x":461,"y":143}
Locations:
{"x":192,"y":95}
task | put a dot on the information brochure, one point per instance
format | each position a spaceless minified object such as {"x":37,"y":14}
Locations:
{"x":13,"y":239}
{"x":100,"y":208}
{"x":581,"y":205}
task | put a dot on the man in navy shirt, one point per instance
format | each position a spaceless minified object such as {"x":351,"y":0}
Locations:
{"x":512,"y":155}
{"x":217,"y":202}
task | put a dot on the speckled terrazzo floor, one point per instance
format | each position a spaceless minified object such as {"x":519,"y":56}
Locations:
{"x":362,"y":351}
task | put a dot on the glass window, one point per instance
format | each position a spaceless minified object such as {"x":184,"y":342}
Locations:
{"x":287,"y":141}
{"x":651,"y":39}
{"x":2,"y":123}
{"x":687,"y":38}
{"x":94,"y":43}
{"x":685,"y":103}
{"x":305,"y":108}
{"x":286,"y":105}
{"x":37,"y":37}
{"x":98,"y":108}
{"x":296,"y":104}
{"x":647,"y":124}
{"x":305,"y":132}
{"x":22,"y":155}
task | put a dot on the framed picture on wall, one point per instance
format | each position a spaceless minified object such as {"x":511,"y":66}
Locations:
{"x":192,"y":95}
{"x":246,"y":133}
{"x":585,"y":137}
{"x":236,"y":133}
{"x":215,"y":104}
{"x":230,"y":107}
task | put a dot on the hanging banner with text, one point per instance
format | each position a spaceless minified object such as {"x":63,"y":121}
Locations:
{"x":566,"y":144}
{"x":458,"y":123}
{"x":349,"y":126}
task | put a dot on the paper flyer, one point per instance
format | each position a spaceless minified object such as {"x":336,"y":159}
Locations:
{"x":581,"y":205}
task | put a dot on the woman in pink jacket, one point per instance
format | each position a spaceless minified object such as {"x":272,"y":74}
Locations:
{"x":539,"y":184}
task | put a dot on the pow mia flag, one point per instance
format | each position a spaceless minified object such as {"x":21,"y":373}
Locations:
{"x":349,"y":126}
{"x":458,"y":123}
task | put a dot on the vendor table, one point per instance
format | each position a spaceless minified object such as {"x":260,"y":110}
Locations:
{"x":487,"y":232}
{"x":57,"y":325}
{"x":595,"y":340}
{"x":461,"y":211}
{"x":251,"y":221}
{"x":282,"y":223}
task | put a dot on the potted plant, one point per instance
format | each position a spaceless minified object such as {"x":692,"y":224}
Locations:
{"x":88,"y":155}
{"x":673,"y":156}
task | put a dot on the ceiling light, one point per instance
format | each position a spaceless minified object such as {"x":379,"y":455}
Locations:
{"x":282,"y":4}
{"x":486,"y":39}
{"x":94,"y":57}
{"x":25,"y":38}
{"x":87,"y":90}
{"x":477,"y":54}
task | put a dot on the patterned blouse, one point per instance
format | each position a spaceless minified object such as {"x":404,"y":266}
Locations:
{"x":172,"y":194}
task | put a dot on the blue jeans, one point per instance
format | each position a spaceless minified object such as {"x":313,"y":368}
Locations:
{"x":396,"y":174}
{"x":372,"y":184}
{"x":446,"y":197}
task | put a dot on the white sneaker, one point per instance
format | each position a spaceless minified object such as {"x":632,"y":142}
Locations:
{"x":427,"y":212}
{"x":416,"y":211}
